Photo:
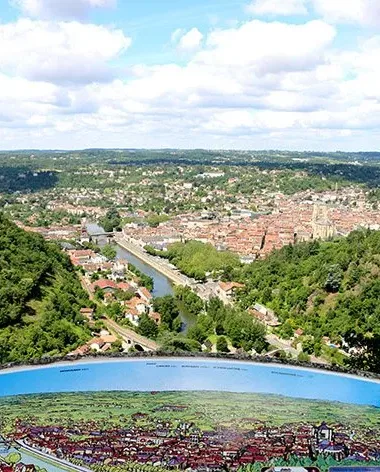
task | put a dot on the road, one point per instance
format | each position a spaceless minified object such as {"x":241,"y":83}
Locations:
{"x":129,"y":335}
{"x":285,"y":346}
{"x":125,"y":333}
{"x":160,"y":265}
{"x":203,"y":290}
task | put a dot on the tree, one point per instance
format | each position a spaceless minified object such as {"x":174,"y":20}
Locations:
{"x":308,"y":345}
{"x":117,"y":346}
{"x":191,"y":302}
{"x":168,"y":309}
{"x":13,"y":458}
{"x":367,"y":355}
{"x":109,"y":251}
{"x":245,"y":332}
{"x":174,"y":344}
{"x":222,"y":344}
{"x":216,"y":310}
{"x":334,"y":278}
{"x":147,"y":327}
{"x":203,"y":328}
{"x":111,"y":221}
{"x":33,"y":270}
{"x":197,"y":259}
{"x":303,"y":357}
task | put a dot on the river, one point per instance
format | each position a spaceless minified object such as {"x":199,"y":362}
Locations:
{"x":27,"y":458}
{"x":162,"y":285}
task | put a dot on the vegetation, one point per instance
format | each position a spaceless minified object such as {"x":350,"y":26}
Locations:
{"x":109,"y":251}
{"x":197,"y":260}
{"x":222,"y":344}
{"x":168,"y":308}
{"x":40,"y":297}
{"x":144,"y":280}
{"x":177,"y":344}
{"x":213,"y":319}
{"x":330,"y":289}
{"x":154,"y":220}
{"x":147,"y":327}
{"x":112,"y":221}
{"x":189,"y":300}
{"x":126,"y":181}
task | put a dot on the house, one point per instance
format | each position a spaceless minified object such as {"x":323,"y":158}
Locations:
{"x":299,"y":332}
{"x":5,"y":468}
{"x":207,"y":345}
{"x":103,"y":343}
{"x":225,"y":291}
{"x":108,"y":286}
{"x":125,"y":287}
{"x":109,"y":338}
{"x":80,"y":351}
{"x":84,"y":236}
{"x":20,"y":467}
{"x":109,"y":297}
{"x":264,"y":315}
{"x":135,"y":308}
{"x":96,"y":344}
{"x":323,"y":433}
{"x":119,"y":269}
{"x":87,"y":313}
{"x":100,"y":343}
{"x":156,"y":317}
{"x":144,"y":294}
{"x":133,"y":316}
{"x":81,"y":256}
{"x":140,"y":305}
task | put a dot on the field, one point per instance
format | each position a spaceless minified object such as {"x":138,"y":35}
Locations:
{"x":208,"y":410}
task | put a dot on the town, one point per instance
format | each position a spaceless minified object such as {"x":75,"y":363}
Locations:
{"x":180,"y":445}
{"x":223,"y":210}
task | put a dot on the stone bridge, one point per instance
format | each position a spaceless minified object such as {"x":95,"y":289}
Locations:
{"x":131,"y":338}
{"x":96,"y":237}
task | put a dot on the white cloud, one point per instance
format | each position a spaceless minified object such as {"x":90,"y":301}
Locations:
{"x":189,"y":41}
{"x":365,"y":12}
{"x":59,"y":52}
{"x":245,"y":86}
{"x":278,"y":7}
{"x":268,"y":47}
{"x":175,"y":36}
{"x":61,"y":9}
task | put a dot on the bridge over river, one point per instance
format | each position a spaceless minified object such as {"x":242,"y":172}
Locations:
{"x":131,"y":338}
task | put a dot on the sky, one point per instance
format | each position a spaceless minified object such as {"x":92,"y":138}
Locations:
{"x":191,"y":374}
{"x":213,"y":74}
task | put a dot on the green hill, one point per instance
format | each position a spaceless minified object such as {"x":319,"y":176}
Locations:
{"x":40,"y":297}
{"x":329,"y":289}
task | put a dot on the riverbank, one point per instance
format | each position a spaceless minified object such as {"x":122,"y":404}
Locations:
{"x":161,"y":266}
{"x":46,"y":461}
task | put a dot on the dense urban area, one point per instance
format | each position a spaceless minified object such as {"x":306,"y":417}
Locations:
{"x":267,"y":253}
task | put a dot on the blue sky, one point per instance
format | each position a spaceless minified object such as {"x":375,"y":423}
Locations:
{"x":244,"y":74}
{"x":187,"y":374}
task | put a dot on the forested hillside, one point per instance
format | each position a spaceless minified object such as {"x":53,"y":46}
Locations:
{"x":40,"y":297}
{"x":329,"y":289}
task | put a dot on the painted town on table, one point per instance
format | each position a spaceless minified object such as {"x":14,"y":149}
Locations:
{"x":193,"y":431}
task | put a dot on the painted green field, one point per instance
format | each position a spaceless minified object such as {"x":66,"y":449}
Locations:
{"x":207,"y":410}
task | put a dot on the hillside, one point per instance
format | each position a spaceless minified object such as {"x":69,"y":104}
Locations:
{"x":329,"y":289}
{"x":40,"y":297}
